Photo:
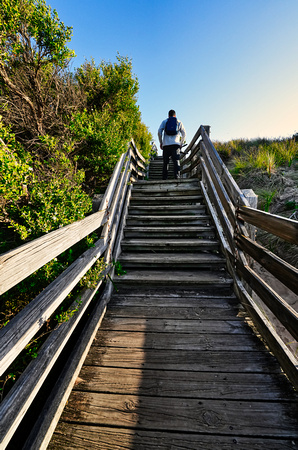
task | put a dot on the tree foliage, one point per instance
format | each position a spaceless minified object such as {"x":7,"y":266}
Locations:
{"x":33,"y":59}
{"x":61,"y":134}
{"x":111,"y":117}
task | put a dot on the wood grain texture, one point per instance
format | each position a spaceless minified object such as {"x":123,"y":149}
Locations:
{"x":183,"y":341}
{"x":194,"y":326}
{"x":183,"y":414}
{"x":183,"y":383}
{"x":220,"y":189}
{"x":159,"y":312}
{"x":19,"y":263}
{"x":282,"y":270}
{"x":20,"y":397}
{"x":282,"y":227}
{"x":21,"y":329}
{"x":224,"y":221}
{"x":230,"y":184}
{"x":177,"y":359}
{"x":280,"y":308}
{"x":284,"y":356}
{"x":81,"y":437}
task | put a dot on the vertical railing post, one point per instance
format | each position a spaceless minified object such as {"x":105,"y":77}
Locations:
{"x":207,"y":129}
{"x":252,"y":199}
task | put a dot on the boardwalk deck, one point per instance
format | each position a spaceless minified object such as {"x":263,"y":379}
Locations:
{"x":175,"y":364}
{"x":178,"y":371}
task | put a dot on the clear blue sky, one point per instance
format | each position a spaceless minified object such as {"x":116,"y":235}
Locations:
{"x":230,"y":64}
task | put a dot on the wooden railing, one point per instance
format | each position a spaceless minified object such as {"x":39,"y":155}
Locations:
{"x":231,"y":213}
{"x":18,"y":264}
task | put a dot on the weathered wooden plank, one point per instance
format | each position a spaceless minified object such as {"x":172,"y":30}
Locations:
{"x":220,"y":189}
{"x":189,"y":292}
{"x":21,"y":329}
{"x":43,"y":429}
{"x":167,"y":303}
{"x":195,"y":161}
{"x":118,"y":195}
{"x":225,"y":246}
{"x":149,"y":242}
{"x":171,"y":209}
{"x":164,"y":190}
{"x":282,"y":227}
{"x":109,"y":193}
{"x":195,"y":360}
{"x":157,"y":184}
{"x":20,"y":397}
{"x":230,"y":184}
{"x":116,"y":247}
{"x":193,"y":141}
{"x":166,"y":312}
{"x":19,"y":263}
{"x":187,"y":384}
{"x":151,"y":200}
{"x":286,"y":359}
{"x":193,"y":152}
{"x":114,"y":228}
{"x":138,"y":163}
{"x":182,"y":341}
{"x":136,"y":151}
{"x":224,"y":221}
{"x":212,"y":279}
{"x":282,"y":270}
{"x":134,"y":168}
{"x":280,"y":308}
{"x":233,"y":327}
{"x":81,"y":436}
{"x":188,"y":415}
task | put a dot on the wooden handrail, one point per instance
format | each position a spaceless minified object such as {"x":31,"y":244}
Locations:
{"x":230,"y":184}
{"x":285,"y":313}
{"x":223,"y":195}
{"x":19,"y":263}
{"x":282,"y":270}
{"x":282,"y":227}
{"x":231,"y":212}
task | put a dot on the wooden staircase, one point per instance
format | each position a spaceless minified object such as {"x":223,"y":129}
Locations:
{"x":174,"y":363}
{"x":155,"y":169}
{"x":172,"y":359}
{"x":169,"y":239}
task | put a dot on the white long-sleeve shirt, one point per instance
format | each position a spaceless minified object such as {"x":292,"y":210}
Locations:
{"x":166,"y":139}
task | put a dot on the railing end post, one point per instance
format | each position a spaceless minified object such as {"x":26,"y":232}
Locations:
{"x":207,"y":129}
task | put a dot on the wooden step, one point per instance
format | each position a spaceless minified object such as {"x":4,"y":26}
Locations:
{"x":169,"y":210}
{"x":166,"y":192}
{"x":167,"y":184}
{"x":205,"y":280}
{"x":170,"y":232}
{"x":169,"y":245}
{"x":198,"y":219}
{"x":208,"y":261}
{"x":167,"y":200}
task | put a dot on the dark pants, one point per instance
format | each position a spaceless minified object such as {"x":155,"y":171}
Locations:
{"x":167,"y":152}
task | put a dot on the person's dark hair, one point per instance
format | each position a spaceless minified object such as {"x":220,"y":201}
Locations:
{"x":172,"y":113}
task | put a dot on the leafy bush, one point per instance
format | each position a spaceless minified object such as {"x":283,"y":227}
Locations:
{"x":15,"y":169}
{"x":34,"y":202}
{"x":109,"y":121}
